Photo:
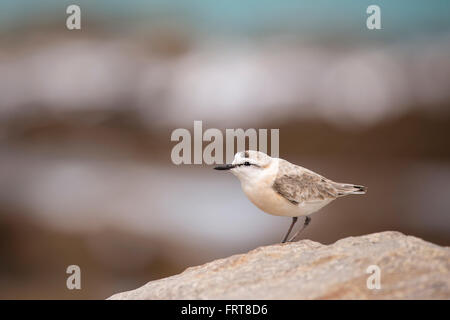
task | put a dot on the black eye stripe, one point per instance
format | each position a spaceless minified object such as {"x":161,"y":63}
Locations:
{"x":247,"y":164}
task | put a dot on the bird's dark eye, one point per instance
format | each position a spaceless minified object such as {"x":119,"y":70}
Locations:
{"x":247,"y":163}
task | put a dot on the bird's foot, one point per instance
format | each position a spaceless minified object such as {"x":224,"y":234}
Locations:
{"x":305,"y":224}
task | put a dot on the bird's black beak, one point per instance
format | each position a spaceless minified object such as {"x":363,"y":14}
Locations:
{"x":225,"y":167}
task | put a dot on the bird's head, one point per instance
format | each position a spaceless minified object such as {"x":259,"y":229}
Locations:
{"x":248,"y":164}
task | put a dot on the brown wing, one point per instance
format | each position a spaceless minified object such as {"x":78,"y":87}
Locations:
{"x":298,"y":185}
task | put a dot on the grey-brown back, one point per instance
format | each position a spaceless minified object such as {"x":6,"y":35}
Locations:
{"x":298,"y":185}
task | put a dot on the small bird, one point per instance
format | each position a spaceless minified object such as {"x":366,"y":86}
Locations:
{"x":281,"y":188}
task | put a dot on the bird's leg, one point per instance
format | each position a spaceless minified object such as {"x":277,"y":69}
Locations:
{"x":305,"y":224}
{"x":294,"y":220}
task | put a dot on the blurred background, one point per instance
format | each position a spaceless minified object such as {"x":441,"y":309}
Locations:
{"x":86,"y":117}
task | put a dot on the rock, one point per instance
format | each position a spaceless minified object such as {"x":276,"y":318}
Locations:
{"x":410,"y":268}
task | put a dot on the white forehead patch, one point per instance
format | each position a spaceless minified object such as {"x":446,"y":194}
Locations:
{"x":256,"y":156}
{"x":238,"y":157}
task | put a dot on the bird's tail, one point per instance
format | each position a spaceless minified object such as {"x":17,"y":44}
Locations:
{"x":346,"y":188}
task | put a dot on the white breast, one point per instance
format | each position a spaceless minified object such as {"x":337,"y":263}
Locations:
{"x":260,"y":193}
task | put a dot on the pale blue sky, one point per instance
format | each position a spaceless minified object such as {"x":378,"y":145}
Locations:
{"x":399,"y":18}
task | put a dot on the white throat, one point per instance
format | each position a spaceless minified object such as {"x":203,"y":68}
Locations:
{"x":250,"y":176}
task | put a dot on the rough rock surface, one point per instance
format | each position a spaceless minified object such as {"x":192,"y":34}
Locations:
{"x":410,"y":269}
